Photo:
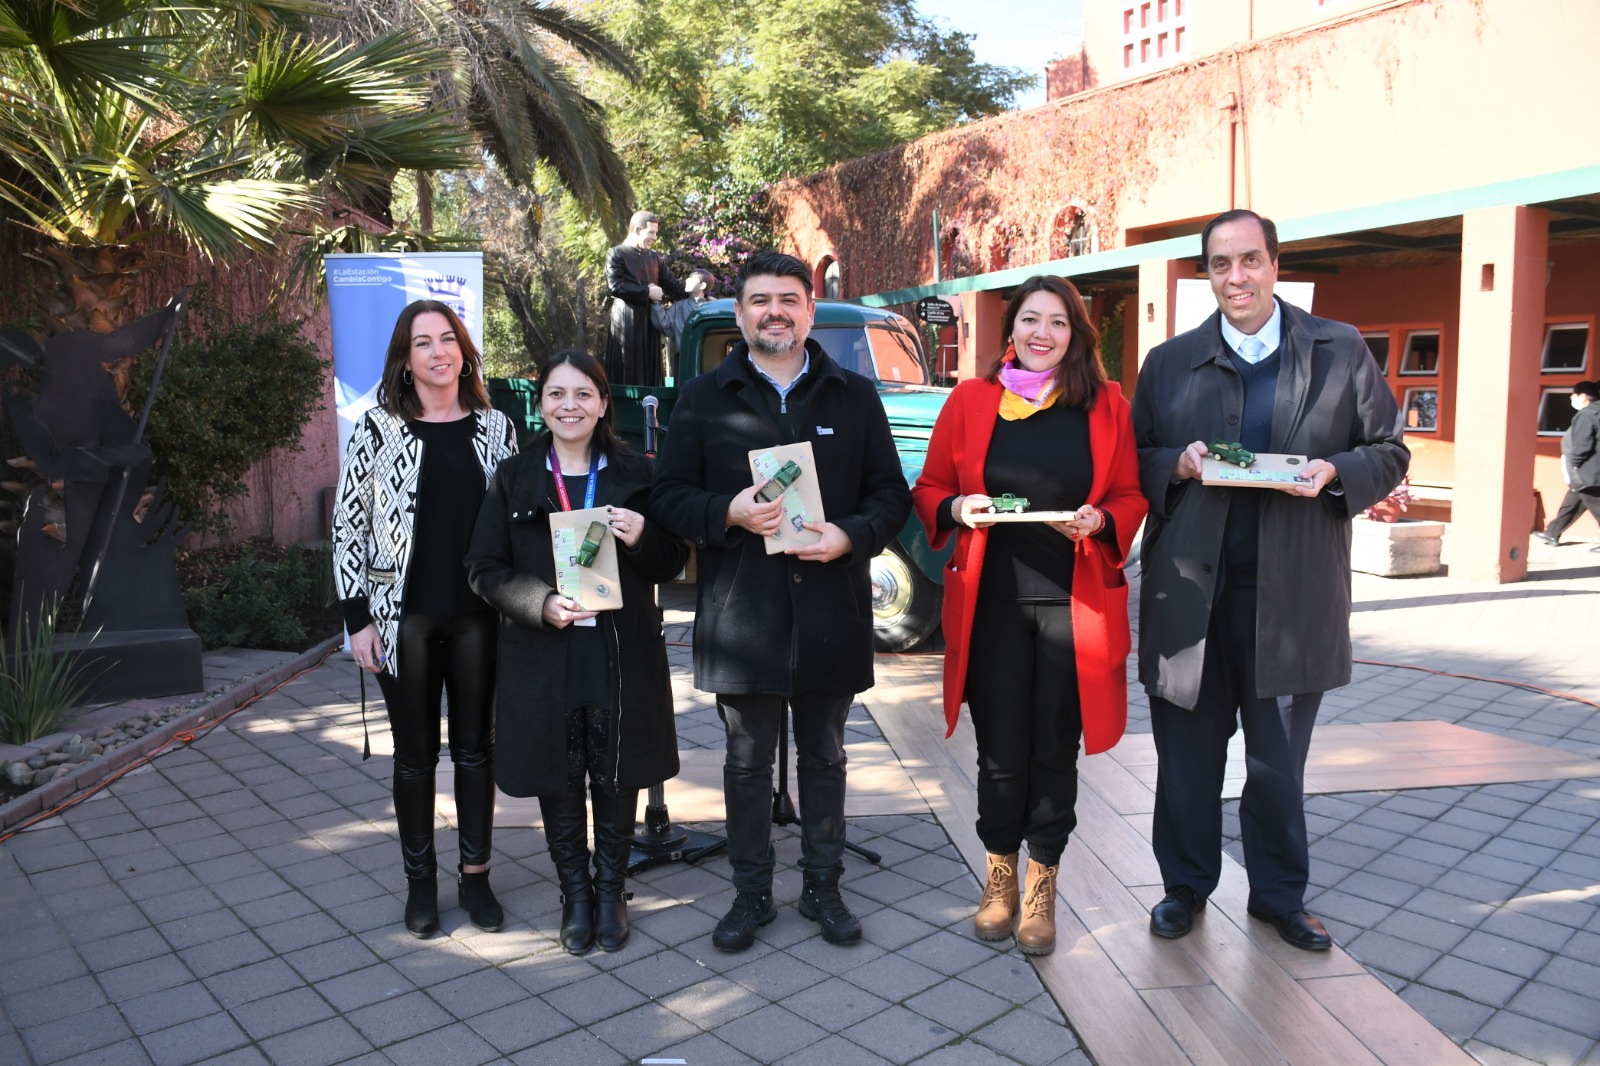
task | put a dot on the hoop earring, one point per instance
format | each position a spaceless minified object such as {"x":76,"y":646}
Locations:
{"x":405,"y":376}
{"x":466,"y":368}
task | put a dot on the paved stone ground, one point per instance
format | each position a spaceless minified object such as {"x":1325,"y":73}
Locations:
{"x":238,"y":900}
{"x":1479,"y":906}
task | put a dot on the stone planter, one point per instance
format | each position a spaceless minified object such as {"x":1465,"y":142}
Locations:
{"x":1406,"y":548}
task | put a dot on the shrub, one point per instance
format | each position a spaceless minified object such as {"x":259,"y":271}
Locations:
{"x":231,"y":392}
{"x":37,"y":682}
{"x":261,"y":603}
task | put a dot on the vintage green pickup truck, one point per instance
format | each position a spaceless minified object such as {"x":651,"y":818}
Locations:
{"x":908,"y":578}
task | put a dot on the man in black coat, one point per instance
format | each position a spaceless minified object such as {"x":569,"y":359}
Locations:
{"x":790,"y":628}
{"x":1580,"y":458}
{"x":637,"y":282}
{"x":1244,"y":617}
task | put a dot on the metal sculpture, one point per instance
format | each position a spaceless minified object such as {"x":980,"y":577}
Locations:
{"x":81,"y":519}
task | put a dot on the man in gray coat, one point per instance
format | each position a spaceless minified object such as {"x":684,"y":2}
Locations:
{"x":1580,"y":459}
{"x":1245,"y":597}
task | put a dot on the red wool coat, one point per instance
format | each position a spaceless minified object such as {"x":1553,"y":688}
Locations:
{"x":956,"y":455}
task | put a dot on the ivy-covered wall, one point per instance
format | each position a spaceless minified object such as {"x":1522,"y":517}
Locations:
{"x":1393,"y":102}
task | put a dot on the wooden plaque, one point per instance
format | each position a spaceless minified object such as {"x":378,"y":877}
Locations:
{"x":802,"y":501}
{"x":1269,"y":471}
{"x":598,"y":586}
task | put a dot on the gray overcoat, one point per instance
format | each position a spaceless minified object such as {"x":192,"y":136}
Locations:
{"x":1332,"y":403}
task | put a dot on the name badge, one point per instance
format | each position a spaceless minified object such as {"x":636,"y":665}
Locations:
{"x":824,"y":431}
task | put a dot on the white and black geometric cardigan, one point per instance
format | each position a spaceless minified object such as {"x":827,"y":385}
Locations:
{"x":372,"y":519}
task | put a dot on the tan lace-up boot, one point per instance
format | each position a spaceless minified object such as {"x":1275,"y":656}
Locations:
{"x":998,"y":909}
{"x":1036,"y":933}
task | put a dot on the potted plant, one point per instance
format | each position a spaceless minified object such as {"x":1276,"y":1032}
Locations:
{"x":1392,"y":506}
{"x":1387,"y":545}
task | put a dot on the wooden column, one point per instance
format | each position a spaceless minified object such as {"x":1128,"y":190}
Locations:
{"x":1504,"y":265}
{"x":1156,"y":303}
{"x":980,"y":333}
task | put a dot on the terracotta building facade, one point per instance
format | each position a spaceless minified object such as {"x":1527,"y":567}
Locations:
{"x":1433,"y":166}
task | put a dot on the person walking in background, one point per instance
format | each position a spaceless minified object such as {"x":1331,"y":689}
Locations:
{"x":584,"y":697}
{"x":1035,"y":614}
{"x":1244,"y":598}
{"x":637,"y":282}
{"x":792,"y":629}
{"x":671,"y":320}
{"x":1580,"y":459}
{"x":413,"y":478}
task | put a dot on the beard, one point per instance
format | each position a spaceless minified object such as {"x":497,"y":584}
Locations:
{"x":769,"y":346}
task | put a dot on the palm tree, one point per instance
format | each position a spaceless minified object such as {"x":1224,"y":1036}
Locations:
{"x":509,"y":74}
{"x":212,"y":120}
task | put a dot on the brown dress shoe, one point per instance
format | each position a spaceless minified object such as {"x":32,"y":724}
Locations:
{"x":1036,"y":933}
{"x":998,"y":909}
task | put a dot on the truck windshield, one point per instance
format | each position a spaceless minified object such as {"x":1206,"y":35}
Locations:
{"x":881,"y":352}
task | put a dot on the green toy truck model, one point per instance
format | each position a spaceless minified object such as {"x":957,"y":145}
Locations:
{"x":787,"y":475}
{"x":1231,"y":452}
{"x":591,"y":543}
{"x":1007,"y":502}
{"x":908,"y":577}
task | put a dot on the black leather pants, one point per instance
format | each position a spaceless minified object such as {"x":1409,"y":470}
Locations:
{"x":439,"y":654}
{"x":566,"y":821}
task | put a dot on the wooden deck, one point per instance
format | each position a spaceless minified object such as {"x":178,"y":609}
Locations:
{"x":1231,"y":993}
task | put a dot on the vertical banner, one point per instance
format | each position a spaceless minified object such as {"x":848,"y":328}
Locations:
{"x":367,"y":292}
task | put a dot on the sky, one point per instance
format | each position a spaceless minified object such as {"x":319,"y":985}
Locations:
{"x":1016,"y":33}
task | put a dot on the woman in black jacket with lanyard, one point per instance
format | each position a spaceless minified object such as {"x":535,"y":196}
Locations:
{"x":413,"y":477}
{"x":583,"y":695}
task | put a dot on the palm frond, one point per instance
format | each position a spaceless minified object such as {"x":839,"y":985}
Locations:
{"x":223,"y":216}
{"x":586,"y":37}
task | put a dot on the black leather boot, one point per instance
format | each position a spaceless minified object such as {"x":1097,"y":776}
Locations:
{"x":413,"y":810}
{"x":614,"y":813}
{"x":820,"y":901}
{"x":477,"y":899}
{"x":422,"y":906}
{"x":566,"y":831}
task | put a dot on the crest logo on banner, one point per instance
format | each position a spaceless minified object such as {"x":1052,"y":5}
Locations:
{"x":367,"y":292}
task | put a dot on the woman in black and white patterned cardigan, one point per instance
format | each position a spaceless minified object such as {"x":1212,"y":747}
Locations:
{"x":414,"y":474}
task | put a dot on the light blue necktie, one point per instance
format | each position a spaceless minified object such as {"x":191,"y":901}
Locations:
{"x":1251,"y":350}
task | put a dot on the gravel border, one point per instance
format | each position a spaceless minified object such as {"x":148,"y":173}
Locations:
{"x":91,"y":773}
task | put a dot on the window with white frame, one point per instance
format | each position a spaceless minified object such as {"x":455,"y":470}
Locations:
{"x":1421,"y":356}
{"x":1154,"y":32}
{"x":1555,"y":410}
{"x":1422,"y":409}
{"x":1566,"y":348}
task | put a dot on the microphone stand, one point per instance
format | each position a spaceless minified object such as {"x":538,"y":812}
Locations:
{"x":783,"y":812}
{"x":658,"y":840}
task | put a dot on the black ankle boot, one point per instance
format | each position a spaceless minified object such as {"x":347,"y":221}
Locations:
{"x":422,"y":906}
{"x":566,"y":830}
{"x":820,"y":901}
{"x":613,"y":847}
{"x":477,"y":899}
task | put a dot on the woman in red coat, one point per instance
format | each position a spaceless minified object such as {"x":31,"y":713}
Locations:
{"x":1035,"y":613}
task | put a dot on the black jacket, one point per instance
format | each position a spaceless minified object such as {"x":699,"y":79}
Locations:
{"x":1580,"y":448}
{"x":512,"y":567}
{"x":772,"y":623}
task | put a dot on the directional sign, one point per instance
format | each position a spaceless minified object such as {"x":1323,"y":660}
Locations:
{"x":935,"y":311}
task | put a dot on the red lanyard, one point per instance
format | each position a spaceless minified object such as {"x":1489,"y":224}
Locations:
{"x":561,"y":484}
